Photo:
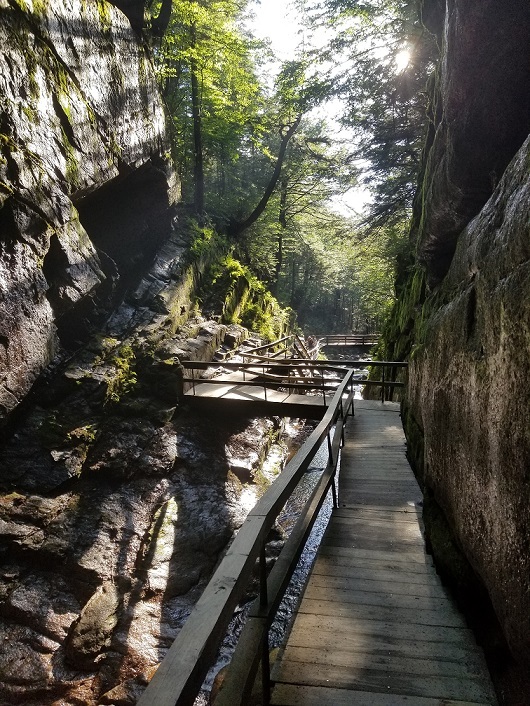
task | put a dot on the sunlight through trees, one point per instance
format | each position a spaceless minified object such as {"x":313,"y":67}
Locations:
{"x":268,"y":162}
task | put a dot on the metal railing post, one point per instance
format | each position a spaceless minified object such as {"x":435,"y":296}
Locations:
{"x":265,"y":670}
{"x":334,"y":493}
{"x":343,"y":423}
{"x":383,"y":384}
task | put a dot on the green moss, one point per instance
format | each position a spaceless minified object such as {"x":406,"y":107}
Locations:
{"x":72,"y":165}
{"x":124,"y":378}
{"x":30,"y":114}
{"x":85,"y":434}
{"x":105,"y":17}
{"x":40,"y":7}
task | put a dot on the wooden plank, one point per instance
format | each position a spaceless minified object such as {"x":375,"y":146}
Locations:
{"x":345,"y":624}
{"x":385,"y":514}
{"x":368,"y":524}
{"x":337,"y":540}
{"x":381,"y":578}
{"x":390,"y":662}
{"x":381,"y":645}
{"x":379,"y":544}
{"x":375,"y":533}
{"x":366,"y":679}
{"x":370,"y":585}
{"x":400,"y":568}
{"x":415,"y":555}
{"x":351,"y":610}
{"x":297,"y":695}
{"x":387,"y":599}
{"x":397,"y":503}
{"x":408,"y":513}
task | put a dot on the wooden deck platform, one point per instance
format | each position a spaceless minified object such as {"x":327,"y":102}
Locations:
{"x":255,"y":400}
{"x":375,"y":626}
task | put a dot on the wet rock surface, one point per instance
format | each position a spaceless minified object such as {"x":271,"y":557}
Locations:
{"x":101,"y":569}
{"x":117,"y":500}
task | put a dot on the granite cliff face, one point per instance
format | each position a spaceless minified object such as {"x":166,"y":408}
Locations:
{"x":82,"y":170}
{"x":467,"y":334}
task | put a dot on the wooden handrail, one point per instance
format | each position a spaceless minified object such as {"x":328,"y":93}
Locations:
{"x":348,"y":339}
{"x":272,"y":344}
{"x":308,"y":362}
{"x":181,"y":674}
{"x":290,"y":372}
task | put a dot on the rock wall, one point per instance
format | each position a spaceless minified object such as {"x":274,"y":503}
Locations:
{"x":480,"y":117}
{"x":467,"y":332}
{"x":79,"y":111}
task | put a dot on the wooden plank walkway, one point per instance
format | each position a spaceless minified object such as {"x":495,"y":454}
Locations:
{"x":375,"y":626}
{"x":255,"y":399}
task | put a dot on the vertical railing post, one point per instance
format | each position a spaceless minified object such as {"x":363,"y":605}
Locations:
{"x":334,"y":493}
{"x":383,"y":384}
{"x":343,"y":423}
{"x":264,"y":601}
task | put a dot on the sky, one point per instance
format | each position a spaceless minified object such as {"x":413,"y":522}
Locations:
{"x":279,"y":21}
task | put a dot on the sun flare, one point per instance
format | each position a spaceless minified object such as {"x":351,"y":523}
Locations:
{"x":402,"y":59}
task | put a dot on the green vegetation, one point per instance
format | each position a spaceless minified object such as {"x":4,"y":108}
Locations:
{"x":258,"y":163}
{"x":123,"y":376}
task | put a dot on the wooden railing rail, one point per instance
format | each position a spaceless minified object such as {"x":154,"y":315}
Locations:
{"x":264,"y":368}
{"x":181,"y":674}
{"x":284,"y":344}
{"x":348,"y":339}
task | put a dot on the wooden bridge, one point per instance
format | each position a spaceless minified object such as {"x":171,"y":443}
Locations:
{"x":349,"y":339}
{"x":282,"y":378}
{"x":375,"y":626}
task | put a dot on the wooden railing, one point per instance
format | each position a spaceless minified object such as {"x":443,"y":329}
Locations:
{"x":298,"y":374}
{"x":288,"y":346}
{"x":295,"y":375}
{"x":352,"y":339}
{"x":181,"y":674}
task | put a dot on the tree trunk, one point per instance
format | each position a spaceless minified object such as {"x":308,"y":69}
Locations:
{"x":198,"y":158}
{"x":238,"y":227}
{"x":159,"y":24}
{"x":282,"y":220}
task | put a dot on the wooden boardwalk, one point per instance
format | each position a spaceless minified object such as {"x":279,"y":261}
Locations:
{"x":375,"y":626}
{"x":255,"y":399}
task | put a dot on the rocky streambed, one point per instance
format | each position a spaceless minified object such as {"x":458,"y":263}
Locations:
{"x":100,"y":570}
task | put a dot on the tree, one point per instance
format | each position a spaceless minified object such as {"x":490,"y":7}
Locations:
{"x":378,"y":59}
{"x":213,"y":95}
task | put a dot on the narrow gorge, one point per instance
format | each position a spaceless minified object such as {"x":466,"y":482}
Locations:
{"x":117,"y":500}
